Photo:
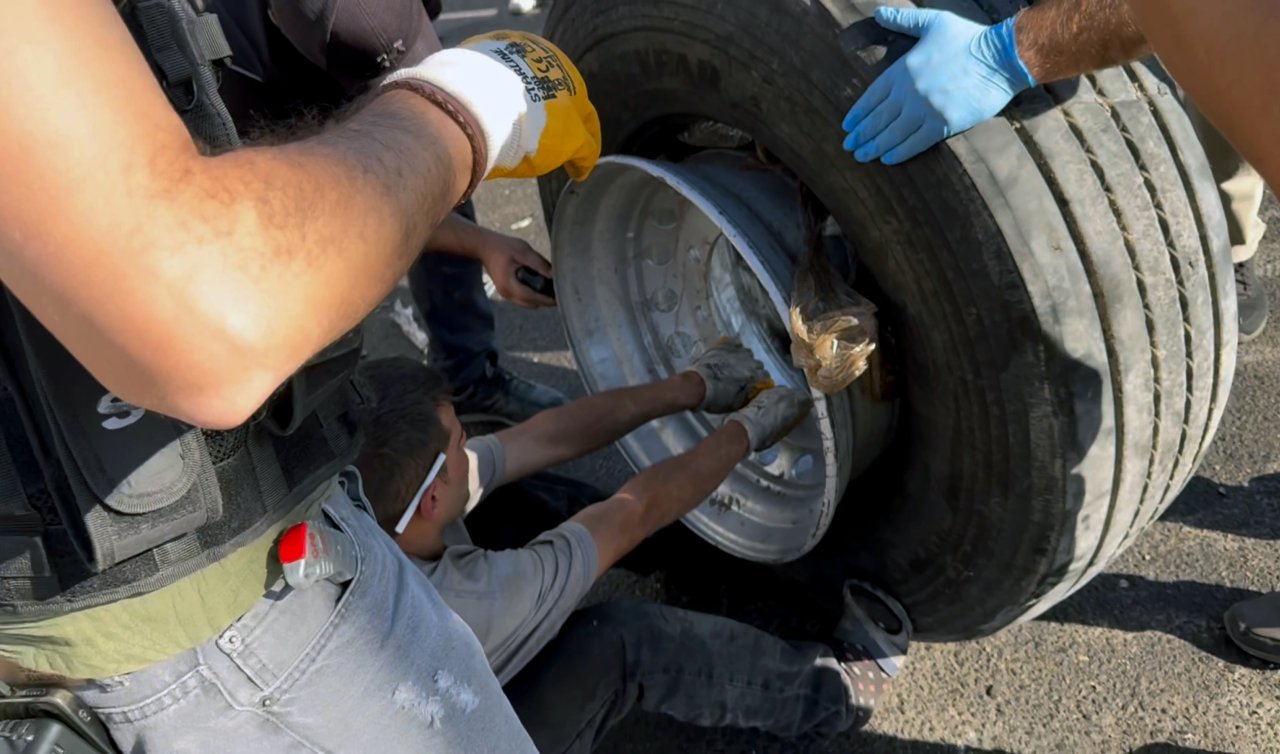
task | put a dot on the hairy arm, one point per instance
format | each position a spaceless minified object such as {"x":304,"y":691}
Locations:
{"x":456,"y":235}
{"x":186,"y":284}
{"x":588,"y":424}
{"x":1227,"y":58}
{"x":662,"y":493}
{"x":1060,"y":39}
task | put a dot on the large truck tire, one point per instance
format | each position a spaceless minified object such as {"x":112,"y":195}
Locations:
{"x":1058,"y":281}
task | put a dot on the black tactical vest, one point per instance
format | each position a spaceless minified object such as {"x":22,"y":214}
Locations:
{"x":101,"y":500}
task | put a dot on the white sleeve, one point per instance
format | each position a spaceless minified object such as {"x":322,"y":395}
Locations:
{"x":488,"y":464}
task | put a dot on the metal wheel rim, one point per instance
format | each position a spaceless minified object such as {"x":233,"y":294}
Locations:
{"x":651,"y":261}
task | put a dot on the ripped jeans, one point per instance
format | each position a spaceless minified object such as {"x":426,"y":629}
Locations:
{"x":379,"y":664}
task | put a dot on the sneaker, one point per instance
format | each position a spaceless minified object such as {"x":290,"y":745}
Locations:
{"x":871,"y":644}
{"x":505,"y":398}
{"x":1254,"y":625}
{"x":522,"y":7}
{"x":1251,"y":298}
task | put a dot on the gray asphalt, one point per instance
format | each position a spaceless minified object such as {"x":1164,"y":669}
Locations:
{"x":1137,"y":661}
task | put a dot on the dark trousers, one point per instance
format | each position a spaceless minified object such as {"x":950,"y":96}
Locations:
{"x":614,"y":657}
{"x":449,"y":293}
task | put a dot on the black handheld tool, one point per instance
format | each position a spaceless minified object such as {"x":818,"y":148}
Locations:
{"x":535,"y":282}
{"x":41,"y":720}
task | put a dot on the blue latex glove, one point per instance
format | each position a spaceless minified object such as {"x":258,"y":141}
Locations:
{"x":959,"y":74}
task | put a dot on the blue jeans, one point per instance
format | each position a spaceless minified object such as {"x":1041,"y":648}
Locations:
{"x":379,"y":664}
{"x":449,"y":293}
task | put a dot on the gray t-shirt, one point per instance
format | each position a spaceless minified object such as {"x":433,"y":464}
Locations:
{"x":514,"y":600}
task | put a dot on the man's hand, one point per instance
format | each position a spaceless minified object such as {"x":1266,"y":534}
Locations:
{"x":959,"y":74}
{"x":501,"y":256}
{"x":527,"y":97}
{"x":773,"y":415}
{"x":731,"y":374}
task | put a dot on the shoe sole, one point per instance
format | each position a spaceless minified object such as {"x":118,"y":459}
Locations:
{"x":1242,"y":642}
{"x":1246,"y":337}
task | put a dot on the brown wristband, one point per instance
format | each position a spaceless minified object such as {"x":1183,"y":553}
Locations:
{"x":460,"y":115}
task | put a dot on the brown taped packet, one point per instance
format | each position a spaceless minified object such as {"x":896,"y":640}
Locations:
{"x":833,"y":328}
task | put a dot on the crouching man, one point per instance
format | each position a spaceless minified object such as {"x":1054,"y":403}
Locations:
{"x":572,"y":674}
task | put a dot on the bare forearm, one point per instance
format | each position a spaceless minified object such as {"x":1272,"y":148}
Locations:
{"x":318,"y":231}
{"x":588,"y":424}
{"x":283,"y":249}
{"x":379,"y":181}
{"x":187,"y":284}
{"x":662,"y":493}
{"x":672,"y":488}
{"x":455,"y":235}
{"x":299,"y":242}
{"x":1226,"y":57}
{"x":1059,"y":39}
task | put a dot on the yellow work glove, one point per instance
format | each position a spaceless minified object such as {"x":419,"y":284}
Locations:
{"x":527,"y":97}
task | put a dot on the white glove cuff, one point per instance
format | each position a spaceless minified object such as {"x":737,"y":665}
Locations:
{"x":748,"y":425}
{"x":491,"y":92}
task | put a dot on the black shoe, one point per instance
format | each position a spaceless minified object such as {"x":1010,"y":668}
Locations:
{"x":1251,"y":298}
{"x":503,"y":397}
{"x":870,"y":645}
{"x":876,"y":622}
{"x":1254,"y":625}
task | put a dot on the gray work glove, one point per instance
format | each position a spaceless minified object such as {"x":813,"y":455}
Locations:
{"x":732,"y":375}
{"x":772,"y":415}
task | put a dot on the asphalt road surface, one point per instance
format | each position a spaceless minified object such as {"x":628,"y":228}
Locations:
{"x":1137,"y":661}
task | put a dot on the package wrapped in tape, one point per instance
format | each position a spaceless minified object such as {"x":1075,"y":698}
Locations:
{"x":833,"y":328}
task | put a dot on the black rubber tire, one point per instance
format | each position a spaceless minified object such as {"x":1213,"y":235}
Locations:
{"x":1059,"y":278}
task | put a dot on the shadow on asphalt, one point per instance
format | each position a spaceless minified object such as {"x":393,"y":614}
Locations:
{"x":1171,"y":749}
{"x":1250,"y":511}
{"x":631,"y":735}
{"x":1187,"y":610}
{"x":876,"y":743}
{"x":545,"y":374}
{"x":537,"y":331}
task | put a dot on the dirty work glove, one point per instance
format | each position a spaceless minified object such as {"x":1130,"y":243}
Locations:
{"x":732,"y":375}
{"x":527,"y":97}
{"x":959,"y":74}
{"x":772,"y":415}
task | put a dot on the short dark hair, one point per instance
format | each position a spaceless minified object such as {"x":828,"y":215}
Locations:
{"x":403,"y":433}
